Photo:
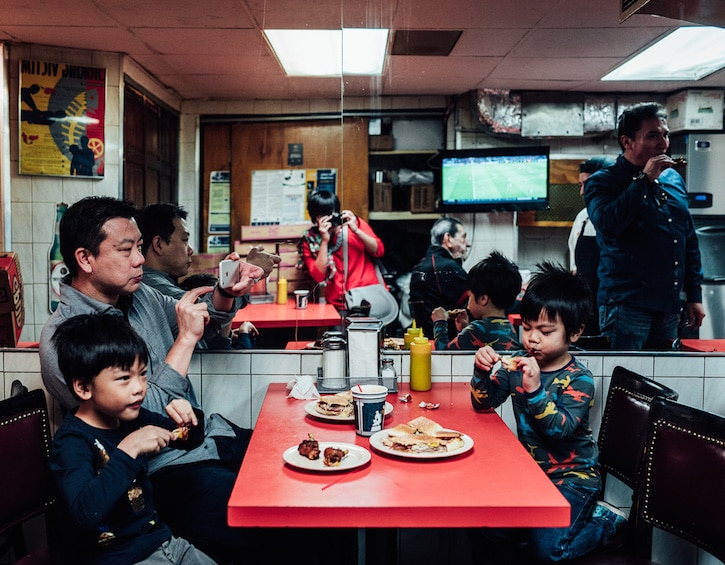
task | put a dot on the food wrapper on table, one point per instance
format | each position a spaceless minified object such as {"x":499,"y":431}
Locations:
{"x":302,"y":387}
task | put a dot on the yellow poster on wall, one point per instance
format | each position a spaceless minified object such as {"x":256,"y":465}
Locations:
{"x":62,"y":111}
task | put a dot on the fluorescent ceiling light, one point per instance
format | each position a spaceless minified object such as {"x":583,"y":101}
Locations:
{"x":305,"y":52}
{"x":688,"y":53}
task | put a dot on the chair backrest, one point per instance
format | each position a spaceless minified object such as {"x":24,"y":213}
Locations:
{"x":624,"y":423}
{"x":680,"y":487}
{"x":26,"y":486}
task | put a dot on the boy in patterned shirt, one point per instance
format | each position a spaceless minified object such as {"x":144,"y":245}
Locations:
{"x":493,"y":285}
{"x":552,"y":394}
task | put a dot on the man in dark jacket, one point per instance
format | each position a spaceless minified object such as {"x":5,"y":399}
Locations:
{"x":439,"y":278}
{"x":650,"y":260}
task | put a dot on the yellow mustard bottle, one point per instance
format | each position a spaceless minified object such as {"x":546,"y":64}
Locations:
{"x":411,"y":332}
{"x":420,"y":354}
{"x":282,"y":291}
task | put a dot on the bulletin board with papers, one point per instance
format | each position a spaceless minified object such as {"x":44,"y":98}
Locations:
{"x":280,"y":196}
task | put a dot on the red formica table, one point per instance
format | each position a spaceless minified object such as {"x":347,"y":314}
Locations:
{"x":497,"y":483}
{"x":703,"y":344}
{"x":273,"y":315}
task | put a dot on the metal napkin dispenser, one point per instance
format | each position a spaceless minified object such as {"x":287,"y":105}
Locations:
{"x":364,"y":341}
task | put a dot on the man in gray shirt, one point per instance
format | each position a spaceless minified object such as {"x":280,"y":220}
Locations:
{"x":101,"y":246}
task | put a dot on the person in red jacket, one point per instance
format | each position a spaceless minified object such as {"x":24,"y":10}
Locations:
{"x":322,"y":248}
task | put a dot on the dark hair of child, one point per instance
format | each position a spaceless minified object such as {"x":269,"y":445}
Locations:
{"x":198,"y":279}
{"x":497,"y":277}
{"x":89,"y":343}
{"x":555,"y":291}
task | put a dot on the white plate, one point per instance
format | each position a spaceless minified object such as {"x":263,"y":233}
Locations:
{"x":356,"y":457}
{"x":310,"y":409}
{"x":376,"y":441}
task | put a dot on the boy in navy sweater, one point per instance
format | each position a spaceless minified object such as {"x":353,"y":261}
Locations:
{"x":99,"y":454}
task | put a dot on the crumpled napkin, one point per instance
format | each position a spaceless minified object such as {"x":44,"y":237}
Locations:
{"x":302,"y":387}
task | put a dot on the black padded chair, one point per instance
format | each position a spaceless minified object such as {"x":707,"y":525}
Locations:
{"x":680,"y":485}
{"x":27,"y":489}
{"x":624,"y":423}
{"x":621,"y":446}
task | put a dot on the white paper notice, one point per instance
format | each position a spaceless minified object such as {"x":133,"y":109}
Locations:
{"x":278,"y":197}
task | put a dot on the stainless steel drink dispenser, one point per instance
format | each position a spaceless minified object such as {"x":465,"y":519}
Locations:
{"x":333,"y":373}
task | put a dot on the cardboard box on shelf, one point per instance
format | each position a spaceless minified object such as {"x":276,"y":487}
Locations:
{"x":381,"y":142}
{"x":277,"y":232}
{"x":12,"y":307}
{"x":695,"y":110}
{"x":422,"y":198}
{"x":206,"y":263}
{"x":382,"y":197}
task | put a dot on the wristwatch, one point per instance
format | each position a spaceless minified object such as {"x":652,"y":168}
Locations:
{"x":642,"y":176}
{"x":224,"y":293}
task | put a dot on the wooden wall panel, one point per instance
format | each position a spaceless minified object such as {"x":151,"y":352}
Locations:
{"x":564,"y":171}
{"x":327,"y":144}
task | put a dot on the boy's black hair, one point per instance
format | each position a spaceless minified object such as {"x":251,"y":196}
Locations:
{"x":82,"y":225}
{"x":89,"y":343}
{"x":592,"y":165}
{"x":198,"y":279}
{"x":158,"y":219}
{"x":554,"y":291}
{"x":322,"y":203}
{"x":497,"y":277}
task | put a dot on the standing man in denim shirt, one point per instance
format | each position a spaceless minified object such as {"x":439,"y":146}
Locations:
{"x":650,"y":260}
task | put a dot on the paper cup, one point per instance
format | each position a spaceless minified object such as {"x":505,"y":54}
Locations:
{"x":301,"y":297}
{"x":369,"y":403}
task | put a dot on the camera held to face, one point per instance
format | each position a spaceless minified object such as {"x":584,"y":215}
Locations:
{"x":336,"y":220}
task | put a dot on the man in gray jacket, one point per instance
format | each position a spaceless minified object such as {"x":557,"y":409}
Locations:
{"x":101,"y":246}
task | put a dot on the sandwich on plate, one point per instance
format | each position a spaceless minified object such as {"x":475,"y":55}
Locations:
{"x":336,"y":405}
{"x":423,"y":435}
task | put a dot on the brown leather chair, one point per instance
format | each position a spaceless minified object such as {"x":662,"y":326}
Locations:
{"x":621,"y":446}
{"x":27,"y":489}
{"x":680,"y":487}
{"x":624,"y":423}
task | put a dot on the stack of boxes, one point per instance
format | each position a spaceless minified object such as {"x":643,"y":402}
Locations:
{"x":282,"y":240}
{"x":695,"y":110}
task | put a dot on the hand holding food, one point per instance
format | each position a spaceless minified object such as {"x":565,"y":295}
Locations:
{"x":260,"y":258}
{"x":486,"y":358}
{"x":509,"y":362}
{"x":439,"y":314}
{"x":180,"y":434}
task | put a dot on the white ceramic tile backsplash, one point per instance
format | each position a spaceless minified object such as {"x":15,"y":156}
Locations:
{"x":275,"y":363}
{"x":226,"y":363}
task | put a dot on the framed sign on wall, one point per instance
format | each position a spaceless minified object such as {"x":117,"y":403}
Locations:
{"x":62,"y":110}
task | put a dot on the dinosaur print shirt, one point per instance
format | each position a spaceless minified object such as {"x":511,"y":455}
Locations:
{"x":496,"y":332}
{"x":552,"y":422}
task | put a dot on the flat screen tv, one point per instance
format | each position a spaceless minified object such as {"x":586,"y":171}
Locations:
{"x":485,"y":180}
